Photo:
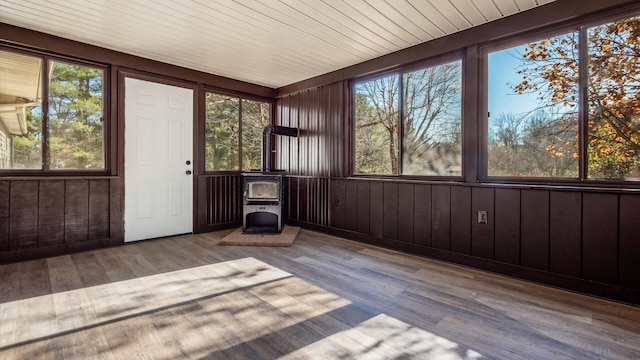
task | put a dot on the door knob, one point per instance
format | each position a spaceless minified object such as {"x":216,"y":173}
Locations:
{"x":188,"y":172}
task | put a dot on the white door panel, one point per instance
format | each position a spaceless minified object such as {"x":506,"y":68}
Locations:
{"x":158,"y":144}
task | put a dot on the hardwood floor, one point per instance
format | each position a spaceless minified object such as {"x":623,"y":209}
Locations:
{"x":325,"y":297}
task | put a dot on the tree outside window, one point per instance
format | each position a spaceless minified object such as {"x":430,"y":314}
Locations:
{"x":425,"y":106}
{"x":233,"y":132}
{"x":64,"y":131}
{"x":535,"y":113}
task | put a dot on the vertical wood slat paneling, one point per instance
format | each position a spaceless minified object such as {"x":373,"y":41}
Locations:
{"x":292,"y":199}
{"x":336,"y":131}
{"x":76,"y":211}
{"x":565,"y":233}
{"x":440,"y":216}
{"x":223,"y":199}
{"x":600,"y":237}
{"x":313,"y":203}
{"x":351,"y":203}
{"x":376,"y":209}
{"x":319,"y":115}
{"x":483,"y":235}
{"x":308,"y":200}
{"x":629,"y":267}
{"x":311,"y":199}
{"x":422,"y":215}
{"x":98,"y":209}
{"x":116,"y":208}
{"x":304,"y":134}
{"x":303,"y":199}
{"x":323,"y":200}
{"x":23,"y":214}
{"x":43,"y":213}
{"x":338,"y":204}
{"x":507,"y":225}
{"x":390,"y":211}
{"x":4,"y":215}
{"x":534,"y":240}
{"x":362,"y":209}
{"x":461,"y":219}
{"x":283,"y":148}
{"x":406,"y":212}
{"x":51,"y":212}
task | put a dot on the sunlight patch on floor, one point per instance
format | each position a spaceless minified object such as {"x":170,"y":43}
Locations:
{"x":192,"y":311}
{"x":384,"y":337}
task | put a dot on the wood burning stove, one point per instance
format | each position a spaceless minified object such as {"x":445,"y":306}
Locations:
{"x":263,"y":191}
{"x":262,"y":200}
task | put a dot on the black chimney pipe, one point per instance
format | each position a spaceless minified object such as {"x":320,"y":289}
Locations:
{"x":266,"y":142}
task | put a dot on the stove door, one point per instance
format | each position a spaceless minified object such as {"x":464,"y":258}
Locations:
{"x":262,"y":190}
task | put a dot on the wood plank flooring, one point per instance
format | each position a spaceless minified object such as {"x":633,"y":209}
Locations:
{"x":323,"y":298}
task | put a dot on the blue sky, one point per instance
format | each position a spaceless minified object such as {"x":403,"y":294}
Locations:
{"x":503,"y":71}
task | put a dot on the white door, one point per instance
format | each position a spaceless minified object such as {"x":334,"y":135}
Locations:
{"x":158,"y":160}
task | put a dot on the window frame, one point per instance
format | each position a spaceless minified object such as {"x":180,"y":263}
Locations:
{"x":241,"y":96}
{"x":581,"y":26}
{"x":441,"y":59}
{"x":47,"y":58}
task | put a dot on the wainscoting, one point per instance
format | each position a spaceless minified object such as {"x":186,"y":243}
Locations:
{"x":583,"y":240}
{"x":52,"y":216}
{"x":218,"y":202}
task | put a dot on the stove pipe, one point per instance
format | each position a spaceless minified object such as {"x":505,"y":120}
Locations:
{"x":266,"y":142}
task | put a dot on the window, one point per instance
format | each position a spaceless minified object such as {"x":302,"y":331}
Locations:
{"x":376,"y":106}
{"x":233,"y":132}
{"x":63,"y":131}
{"x":613,"y":147}
{"x":428,"y":119}
{"x":535,"y":115}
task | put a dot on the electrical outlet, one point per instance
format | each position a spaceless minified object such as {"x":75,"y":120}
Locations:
{"x":483,"y":217}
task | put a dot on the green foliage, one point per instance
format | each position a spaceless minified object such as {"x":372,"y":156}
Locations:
{"x":75,"y":126}
{"x":79,"y":134}
{"x":255,"y":116}
{"x":223,"y":134}
{"x":27,"y":149}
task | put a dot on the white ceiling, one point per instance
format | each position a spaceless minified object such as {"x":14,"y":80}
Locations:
{"x":269,"y":42}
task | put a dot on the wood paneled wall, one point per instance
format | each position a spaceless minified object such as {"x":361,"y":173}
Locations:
{"x":218,"y":202}
{"x":320,"y":148}
{"x":51,"y":216}
{"x":582,"y":239}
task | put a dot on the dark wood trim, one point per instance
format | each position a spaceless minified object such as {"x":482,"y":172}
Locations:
{"x":65,"y":47}
{"x":536,"y":18}
{"x":471,"y":116}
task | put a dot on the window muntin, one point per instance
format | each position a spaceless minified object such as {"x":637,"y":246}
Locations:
{"x":533,"y":109}
{"x":376,"y":119}
{"x":425,"y":106}
{"x":432,"y":120}
{"x":233,"y":132}
{"x":613,"y":146}
{"x":72,"y":114}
